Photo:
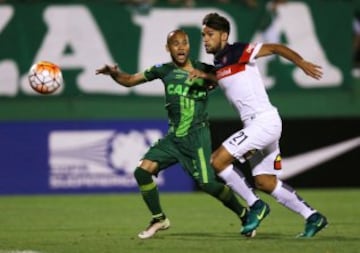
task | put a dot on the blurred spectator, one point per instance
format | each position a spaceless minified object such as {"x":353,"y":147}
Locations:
{"x":192,"y":3}
{"x":356,"y":45}
{"x":248,"y":3}
{"x":186,"y":3}
{"x":142,"y":6}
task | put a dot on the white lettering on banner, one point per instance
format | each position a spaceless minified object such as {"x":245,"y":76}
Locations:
{"x":301,"y":36}
{"x":152,"y":44}
{"x":6,"y":13}
{"x":73,"y":26}
{"x":97,"y":158}
{"x":8,"y":68}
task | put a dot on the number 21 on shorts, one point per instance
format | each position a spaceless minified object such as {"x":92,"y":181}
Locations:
{"x":238,"y":138}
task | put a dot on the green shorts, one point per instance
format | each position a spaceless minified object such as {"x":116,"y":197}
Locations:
{"x":193,"y":152}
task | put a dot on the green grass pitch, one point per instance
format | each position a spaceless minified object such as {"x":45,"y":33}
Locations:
{"x":110,"y":223}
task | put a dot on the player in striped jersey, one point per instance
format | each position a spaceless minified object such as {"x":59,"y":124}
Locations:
{"x":258,"y":142}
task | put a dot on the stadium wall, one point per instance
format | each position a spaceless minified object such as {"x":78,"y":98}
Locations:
{"x":87,"y":136}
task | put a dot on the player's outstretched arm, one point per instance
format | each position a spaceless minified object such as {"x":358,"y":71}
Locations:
{"x":122,"y":78}
{"x":309,"y":68}
{"x":209,"y":77}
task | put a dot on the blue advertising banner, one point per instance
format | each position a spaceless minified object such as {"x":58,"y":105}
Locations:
{"x":45,"y":157}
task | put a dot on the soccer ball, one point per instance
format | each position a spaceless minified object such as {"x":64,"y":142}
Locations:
{"x":45,"y":77}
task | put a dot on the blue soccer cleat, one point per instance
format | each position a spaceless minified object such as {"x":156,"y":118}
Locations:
{"x":314,"y":224}
{"x":258,"y":211}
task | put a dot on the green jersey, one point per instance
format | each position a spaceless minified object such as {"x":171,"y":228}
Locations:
{"x":185,"y":100}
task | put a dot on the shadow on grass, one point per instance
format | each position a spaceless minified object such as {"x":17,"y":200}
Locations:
{"x":259,"y":236}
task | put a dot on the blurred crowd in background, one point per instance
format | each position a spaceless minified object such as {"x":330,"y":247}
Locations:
{"x":193,"y":3}
{"x":356,"y":46}
{"x":186,"y":3}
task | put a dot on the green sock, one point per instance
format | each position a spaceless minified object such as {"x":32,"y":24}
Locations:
{"x":230,"y":201}
{"x":226,"y":196}
{"x":149,"y":191}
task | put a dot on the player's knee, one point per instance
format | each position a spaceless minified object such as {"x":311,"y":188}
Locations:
{"x":265,"y":183}
{"x":215,"y":164}
{"x":221,"y":159}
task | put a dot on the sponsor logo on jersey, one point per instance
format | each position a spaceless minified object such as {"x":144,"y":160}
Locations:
{"x":229,"y":70}
{"x":223,"y":72}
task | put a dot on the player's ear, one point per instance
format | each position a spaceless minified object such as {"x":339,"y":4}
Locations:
{"x":224,"y":36}
{"x":167,"y":48}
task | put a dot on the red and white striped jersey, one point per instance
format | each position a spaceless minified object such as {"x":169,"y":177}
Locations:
{"x":240,"y":79}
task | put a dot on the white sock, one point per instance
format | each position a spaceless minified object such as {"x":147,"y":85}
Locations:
{"x":288,"y":197}
{"x":237,"y":182}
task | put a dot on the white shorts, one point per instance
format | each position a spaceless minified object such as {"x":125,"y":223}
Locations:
{"x":258,"y":142}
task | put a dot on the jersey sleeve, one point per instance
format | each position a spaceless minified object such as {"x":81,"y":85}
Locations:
{"x":152,"y":73}
{"x":255,"y":50}
{"x":249,"y":53}
{"x":209,"y":68}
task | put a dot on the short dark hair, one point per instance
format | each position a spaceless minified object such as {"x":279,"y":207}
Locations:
{"x":217,"y":22}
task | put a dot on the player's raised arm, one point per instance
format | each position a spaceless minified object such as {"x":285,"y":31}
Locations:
{"x":196,"y":73}
{"x":209,"y":77}
{"x":309,"y":68}
{"x":122,"y":78}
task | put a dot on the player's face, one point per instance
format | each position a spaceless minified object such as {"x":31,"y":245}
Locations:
{"x":213,"y":40}
{"x":179,"y":48}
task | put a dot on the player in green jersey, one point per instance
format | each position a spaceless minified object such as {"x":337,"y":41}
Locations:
{"x":188,"y":140}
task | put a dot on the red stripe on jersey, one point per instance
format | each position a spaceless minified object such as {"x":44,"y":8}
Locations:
{"x":239,"y":66}
{"x":246,"y":54}
{"x":229,"y":70}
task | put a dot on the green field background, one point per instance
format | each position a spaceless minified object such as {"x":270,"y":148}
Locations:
{"x":109,"y":223}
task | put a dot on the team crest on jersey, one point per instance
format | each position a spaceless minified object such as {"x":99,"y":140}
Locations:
{"x":277,"y":163}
